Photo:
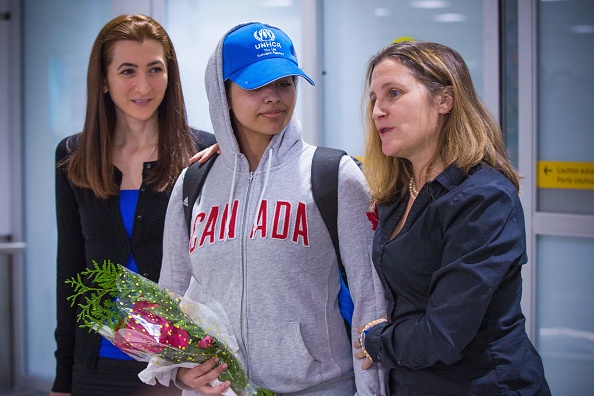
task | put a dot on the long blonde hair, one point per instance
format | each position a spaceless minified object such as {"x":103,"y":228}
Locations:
{"x":470,"y":134}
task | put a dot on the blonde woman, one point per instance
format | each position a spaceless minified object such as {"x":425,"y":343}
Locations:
{"x":450,"y":243}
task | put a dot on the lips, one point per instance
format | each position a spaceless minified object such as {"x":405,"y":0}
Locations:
{"x":272,"y":113}
{"x":141,"y":101}
{"x":383,"y":130}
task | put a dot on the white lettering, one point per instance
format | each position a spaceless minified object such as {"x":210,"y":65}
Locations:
{"x":267,"y":44}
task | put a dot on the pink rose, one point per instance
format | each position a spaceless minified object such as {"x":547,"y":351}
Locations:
{"x":146,"y":331}
{"x":133,"y":341}
{"x":206,"y":342}
{"x":174,"y":336}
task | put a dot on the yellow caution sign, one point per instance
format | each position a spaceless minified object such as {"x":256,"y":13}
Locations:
{"x":566,"y":175}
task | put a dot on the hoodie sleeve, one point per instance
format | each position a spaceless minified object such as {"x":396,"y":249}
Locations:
{"x":355,"y":239}
{"x":176,"y":269}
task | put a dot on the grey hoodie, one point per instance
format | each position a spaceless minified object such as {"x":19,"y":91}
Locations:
{"x":276,"y":275}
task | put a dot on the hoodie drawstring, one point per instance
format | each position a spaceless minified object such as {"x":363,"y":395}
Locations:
{"x":230,"y":203}
{"x":255,"y":222}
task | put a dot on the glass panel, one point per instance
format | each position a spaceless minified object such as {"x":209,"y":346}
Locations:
{"x":6,"y":368}
{"x":57,"y":40}
{"x":565,"y":321}
{"x":509,"y":75}
{"x":5,"y":117}
{"x":565,"y":85}
{"x":348,"y":46}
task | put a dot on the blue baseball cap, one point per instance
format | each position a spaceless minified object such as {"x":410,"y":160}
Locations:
{"x":257,"y":54}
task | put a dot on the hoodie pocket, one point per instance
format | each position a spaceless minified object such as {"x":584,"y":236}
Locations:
{"x":279,"y":358}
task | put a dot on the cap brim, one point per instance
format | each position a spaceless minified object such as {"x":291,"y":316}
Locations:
{"x":261,"y":73}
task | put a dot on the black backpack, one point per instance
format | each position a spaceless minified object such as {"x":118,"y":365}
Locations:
{"x":324,"y":183}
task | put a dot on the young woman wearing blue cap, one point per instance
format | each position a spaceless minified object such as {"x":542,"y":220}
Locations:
{"x":258,"y":243}
{"x":113,"y":182}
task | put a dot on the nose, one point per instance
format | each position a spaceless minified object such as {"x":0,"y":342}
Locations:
{"x":271,"y":93}
{"x":143,"y":85}
{"x":378,"y":111}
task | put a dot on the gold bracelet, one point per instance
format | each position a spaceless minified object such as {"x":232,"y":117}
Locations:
{"x":366,"y":327}
{"x":366,"y":354}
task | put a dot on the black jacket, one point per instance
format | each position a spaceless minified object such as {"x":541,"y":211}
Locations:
{"x":91,"y":229}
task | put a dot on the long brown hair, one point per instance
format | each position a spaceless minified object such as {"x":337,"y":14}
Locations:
{"x":470,"y":134}
{"x":90,"y":166}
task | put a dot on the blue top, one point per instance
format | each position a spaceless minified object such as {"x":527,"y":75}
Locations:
{"x":452,"y":278}
{"x":128,"y":200}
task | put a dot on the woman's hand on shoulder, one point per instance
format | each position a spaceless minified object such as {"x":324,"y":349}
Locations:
{"x":204,"y":155}
{"x":200,"y":377}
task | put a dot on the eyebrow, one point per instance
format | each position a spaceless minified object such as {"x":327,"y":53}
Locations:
{"x":382,"y":87}
{"x":128,"y":64}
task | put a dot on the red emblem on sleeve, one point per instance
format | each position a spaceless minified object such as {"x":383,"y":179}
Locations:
{"x":373,"y":217}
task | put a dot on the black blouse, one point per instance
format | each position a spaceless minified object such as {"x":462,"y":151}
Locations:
{"x":452,"y":278}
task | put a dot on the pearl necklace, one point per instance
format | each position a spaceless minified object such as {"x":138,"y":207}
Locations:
{"x":412,"y":188}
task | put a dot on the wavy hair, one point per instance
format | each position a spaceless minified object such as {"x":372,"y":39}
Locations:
{"x":90,"y":166}
{"x":469,"y":136}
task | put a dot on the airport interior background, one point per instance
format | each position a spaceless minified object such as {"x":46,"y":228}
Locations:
{"x":532,"y":62}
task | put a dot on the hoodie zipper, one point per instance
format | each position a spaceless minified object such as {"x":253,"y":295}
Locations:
{"x":245,"y":229}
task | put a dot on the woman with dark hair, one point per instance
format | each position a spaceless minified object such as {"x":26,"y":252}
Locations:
{"x":450,"y":242}
{"x":113,"y":182}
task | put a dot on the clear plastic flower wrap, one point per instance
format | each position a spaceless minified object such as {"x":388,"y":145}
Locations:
{"x":157,"y":326}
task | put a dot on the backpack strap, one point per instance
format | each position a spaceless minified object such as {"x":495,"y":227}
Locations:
{"x":324,"y":185}
{"x":193,"y":182}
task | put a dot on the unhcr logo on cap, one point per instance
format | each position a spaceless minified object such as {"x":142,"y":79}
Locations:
{"x":264,"y":35}
{"x":266,"y":39}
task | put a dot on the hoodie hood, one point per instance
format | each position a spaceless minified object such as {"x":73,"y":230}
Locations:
{"x":283,"y":146}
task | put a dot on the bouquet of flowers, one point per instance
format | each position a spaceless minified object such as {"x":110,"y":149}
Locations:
{"x":155,"y":325}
